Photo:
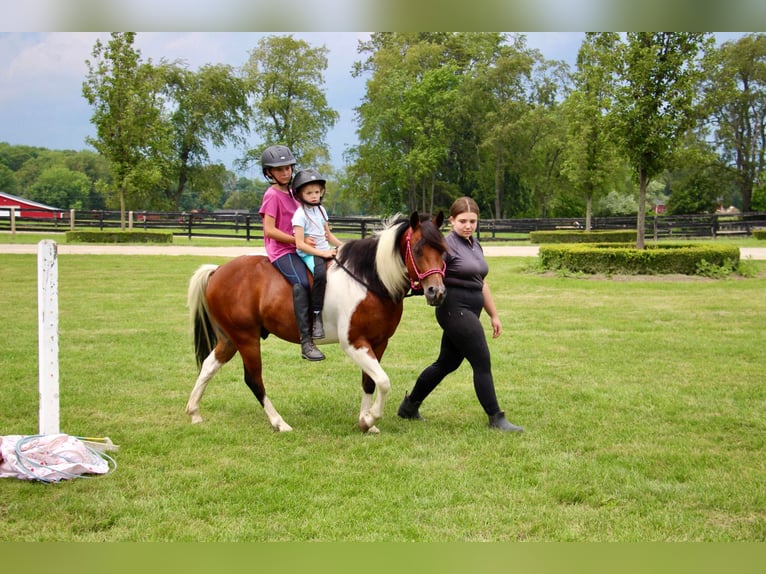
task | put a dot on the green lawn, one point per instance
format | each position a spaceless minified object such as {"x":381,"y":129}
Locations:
{"x":643,"y":402}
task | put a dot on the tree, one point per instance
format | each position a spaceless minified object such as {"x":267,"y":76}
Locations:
{"x":285,"y":78}
{"x":208,"y":106}
{"x":658,"y":73}
{"x":736,"y":101}
{"x":125,"y":95}
{"x":590,"y":154}
{"x":8,"y":183}
{"x":61,"y":187}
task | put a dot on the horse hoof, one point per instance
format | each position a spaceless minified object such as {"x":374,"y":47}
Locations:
{"x":373,"y":430}
{"x":283,"y":427}
{"x":367,"y":427}
{"x":196,"y":419}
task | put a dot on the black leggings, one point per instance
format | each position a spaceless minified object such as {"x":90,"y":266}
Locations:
{"x":320,"y":283}
{"x":462,"y":338}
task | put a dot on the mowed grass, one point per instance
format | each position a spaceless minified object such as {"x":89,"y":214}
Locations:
{"x":642,"y":400}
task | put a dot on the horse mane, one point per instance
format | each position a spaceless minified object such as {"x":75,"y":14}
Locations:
{"x":388,"y":276}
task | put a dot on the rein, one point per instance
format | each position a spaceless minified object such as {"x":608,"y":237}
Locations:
{"x":415,"y":283}
{"x":352,"y":275}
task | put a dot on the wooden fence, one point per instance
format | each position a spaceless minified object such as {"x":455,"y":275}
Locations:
{"x":248,"y":226}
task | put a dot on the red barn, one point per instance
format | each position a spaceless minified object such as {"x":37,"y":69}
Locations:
{"x":27,"y":208}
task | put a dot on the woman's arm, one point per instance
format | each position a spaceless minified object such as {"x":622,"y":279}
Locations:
{"x":491,"y":309}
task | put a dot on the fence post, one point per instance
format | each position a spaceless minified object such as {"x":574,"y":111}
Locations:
{"x":48,"y":341}
{"x":130,"y":220}
{"x":189,"y":225}
{"x":71,"y":220}
{"x":247,"y":227}
{"x":13,"y":219}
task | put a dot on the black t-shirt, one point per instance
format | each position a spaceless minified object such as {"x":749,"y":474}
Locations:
{"x":466,"y":266}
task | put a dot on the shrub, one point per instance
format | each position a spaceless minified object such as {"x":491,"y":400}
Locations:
{"x":759,"y":234}
{"x":575,"y":236}
{"x":117,"y":236}
{"x":656,"y":259}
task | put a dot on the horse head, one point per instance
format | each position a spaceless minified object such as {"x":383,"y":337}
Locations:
{"x":424,"y":249}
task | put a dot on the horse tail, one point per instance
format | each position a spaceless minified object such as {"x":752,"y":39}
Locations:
{"x":203,"y":331}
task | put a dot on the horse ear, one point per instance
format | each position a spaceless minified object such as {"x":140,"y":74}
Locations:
{"x":415,"y":220}
{"x":439,"y":220}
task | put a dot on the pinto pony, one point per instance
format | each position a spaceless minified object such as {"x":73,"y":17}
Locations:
{"x":235,"y":305}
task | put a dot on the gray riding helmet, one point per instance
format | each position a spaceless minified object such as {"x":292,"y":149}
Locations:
{"x":276,"y":156}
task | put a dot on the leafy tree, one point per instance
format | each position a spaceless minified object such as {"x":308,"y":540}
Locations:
{"x":61,"y":187}
{"x":125,"y":95}
{"x":14,"y":156}
{"x":285,"y":77}
{"x":736,"y":101}
{"x":658,"y":76}
{"x":8,"y":183}
{"x":590,"y":154}
{"x":208,"y":106}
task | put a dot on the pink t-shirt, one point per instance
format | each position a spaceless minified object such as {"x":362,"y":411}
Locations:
{"x":281,"y":206}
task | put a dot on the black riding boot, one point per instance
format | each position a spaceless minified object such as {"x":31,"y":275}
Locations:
{"x":498,"y":421}
{"x":409,"y":409}
{"x":301,"y":304}
{"x":318,"y":330}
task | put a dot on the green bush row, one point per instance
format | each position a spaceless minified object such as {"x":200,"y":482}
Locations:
{"x":656,"y":259}
{"x":759,"y":234}
{"x":575,"y":236}
{"x":117,"y":236}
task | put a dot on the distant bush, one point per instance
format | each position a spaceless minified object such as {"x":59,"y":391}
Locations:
{"x":759,"y":234}
{"x":116,"y":236}
{"x":577,"y":236}
{"x":656,"y":259}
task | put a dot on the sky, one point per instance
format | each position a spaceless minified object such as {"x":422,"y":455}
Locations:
{"x":41,"y":76}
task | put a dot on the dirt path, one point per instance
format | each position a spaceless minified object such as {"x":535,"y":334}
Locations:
{"x":175,"y":249}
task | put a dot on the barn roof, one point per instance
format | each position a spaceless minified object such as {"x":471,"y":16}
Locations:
{"x":8,"y":199}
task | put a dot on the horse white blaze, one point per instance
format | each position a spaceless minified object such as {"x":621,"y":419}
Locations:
{"x":210,"y":367}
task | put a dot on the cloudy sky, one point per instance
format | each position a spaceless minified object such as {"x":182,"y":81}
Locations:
{"x":41,"y":75}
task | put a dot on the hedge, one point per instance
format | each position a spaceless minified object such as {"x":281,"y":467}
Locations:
{"x":117,"y":236}
{"x":656,"y":259}
{"x":759,"y":234}
{"x":574,"y":236}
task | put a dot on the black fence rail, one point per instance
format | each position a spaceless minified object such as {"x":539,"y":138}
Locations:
{"x":248,"y":226}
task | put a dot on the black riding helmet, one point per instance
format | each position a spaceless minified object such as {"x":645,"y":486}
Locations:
{"x":308,"y":175}
{"x":276,"y":156}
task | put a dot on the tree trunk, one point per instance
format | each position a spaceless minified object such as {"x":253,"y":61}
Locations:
{"x":643,"y":182}
{"x":122,"y":206}
{"x":498,"y":188}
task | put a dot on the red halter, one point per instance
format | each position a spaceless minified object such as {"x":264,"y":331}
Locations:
{"x":415,"y":283}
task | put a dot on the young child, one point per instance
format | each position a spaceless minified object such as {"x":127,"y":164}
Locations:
{"x":310,"y":220}
{"x":277,"y":209}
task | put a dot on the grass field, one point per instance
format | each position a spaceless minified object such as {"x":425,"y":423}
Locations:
{"x":642,"y":399}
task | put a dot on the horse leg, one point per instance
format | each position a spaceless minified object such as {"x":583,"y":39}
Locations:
{"x":251,"y":358}
{"x":373,"y":377}
{"x":365,"y":420}
{"x":221,"y":354}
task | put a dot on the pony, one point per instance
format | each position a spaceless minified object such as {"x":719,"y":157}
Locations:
{"x":235,"y":305}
